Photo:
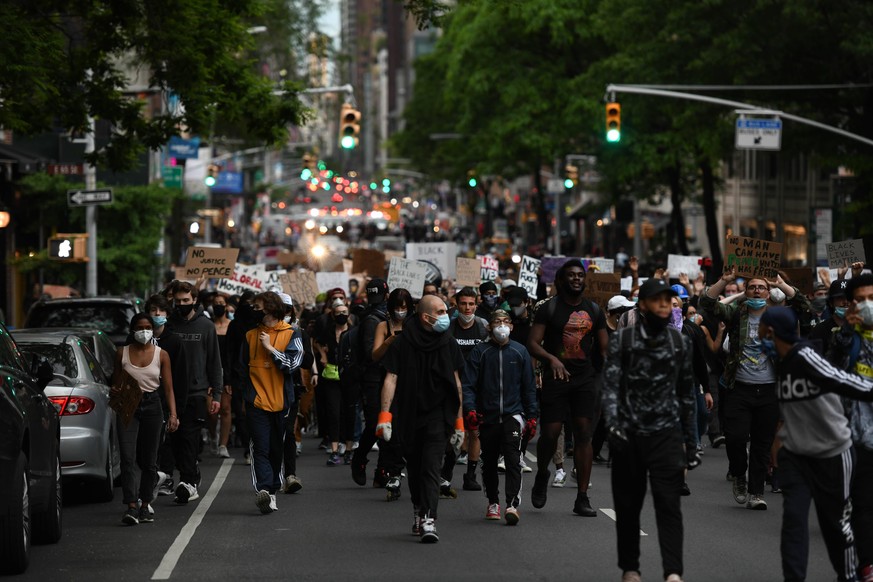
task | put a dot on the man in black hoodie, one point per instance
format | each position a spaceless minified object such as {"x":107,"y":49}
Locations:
{"x":422,"y":389}
{"x":244,"y":320}
{"x":197,"y":332}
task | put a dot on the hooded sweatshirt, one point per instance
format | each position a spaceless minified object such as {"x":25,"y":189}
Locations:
{"x":202,"y":351}
{"x":269,"y":385}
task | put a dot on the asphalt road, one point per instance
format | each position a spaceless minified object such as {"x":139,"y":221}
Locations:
{"x":335,"y":530}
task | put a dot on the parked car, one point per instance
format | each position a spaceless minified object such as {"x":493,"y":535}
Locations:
{"x":31,"y":490}
{"x":80,"y":392}
{"x":98,"y":342}
{"x":110,"y":315}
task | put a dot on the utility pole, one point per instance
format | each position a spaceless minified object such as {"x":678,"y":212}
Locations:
{"x":90,"y":213}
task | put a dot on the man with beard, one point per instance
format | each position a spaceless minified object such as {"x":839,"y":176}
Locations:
{"x":566,"y":332}
{"x":422,"y":391}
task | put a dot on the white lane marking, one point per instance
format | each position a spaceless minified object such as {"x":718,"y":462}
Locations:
{"x":171,"y":558}
{"x":611,"y":514}
{"x":530,"y":456}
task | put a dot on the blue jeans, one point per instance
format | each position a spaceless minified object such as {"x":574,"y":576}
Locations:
{"x":267,"y":434}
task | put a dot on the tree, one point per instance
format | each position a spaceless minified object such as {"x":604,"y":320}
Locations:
{"x":61,"y":61}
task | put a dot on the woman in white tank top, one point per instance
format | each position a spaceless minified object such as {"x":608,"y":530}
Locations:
{"x":149,"y":366}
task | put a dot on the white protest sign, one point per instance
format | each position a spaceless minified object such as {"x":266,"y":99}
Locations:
{"x":442,"y":255}
{"x":846,"y":252}
{"x":527,"y":275}
{"x":250,"y":278}
{"x":407,"y":274}
{"x":605,"y":265}
{"x":690,"y":265}
{"x":332,"y":280}
{"x":627,"y":283}
{"x":490,"y":268}
{"x":468,"y":272}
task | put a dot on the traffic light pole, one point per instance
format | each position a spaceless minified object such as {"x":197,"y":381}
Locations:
{"x":90,"y":215}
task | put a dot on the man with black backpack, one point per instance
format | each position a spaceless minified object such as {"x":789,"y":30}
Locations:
{"x":648,"y":407}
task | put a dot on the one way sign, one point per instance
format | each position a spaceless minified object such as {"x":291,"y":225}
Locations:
{"x":77,"y":198}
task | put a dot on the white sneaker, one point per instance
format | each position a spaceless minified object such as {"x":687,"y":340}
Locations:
{"x":160,"y":481}
{"x":299,"y":448}
{"x":341,"y":449}
{"x":292,"y":484}
{"x":429,"y":533}
{"x":524,"y":467}
{"x":264,"y":501}
{"x":222,"y":452}
{"x":186,"y":492}
{"x":273,"y":506}
{"x":501,"y":464}
{"x":560,"y":478}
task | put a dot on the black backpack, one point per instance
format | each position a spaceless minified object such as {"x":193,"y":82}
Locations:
{"x":352,"y":360}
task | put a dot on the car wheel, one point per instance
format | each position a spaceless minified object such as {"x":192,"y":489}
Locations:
{"x":15,"y":525}
{"x":47,"y":524}
{"x":105,"y":491}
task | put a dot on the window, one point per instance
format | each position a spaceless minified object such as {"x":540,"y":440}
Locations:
{"x":60,"y":356}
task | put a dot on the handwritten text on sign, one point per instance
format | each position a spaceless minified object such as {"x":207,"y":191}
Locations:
{"x":406,"y":274}
{"x":753,"y":257}
{"x":469,"y":272}
{"x":210,"y":263}
{"x":527,"y":275}
{"x":846,"y":252}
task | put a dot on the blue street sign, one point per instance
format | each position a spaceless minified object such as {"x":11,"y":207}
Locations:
{"x":759,"y":124}
{"x":183,"y":148}
{"x":228,"y":183}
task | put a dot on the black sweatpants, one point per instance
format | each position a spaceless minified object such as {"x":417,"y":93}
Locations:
{"x":827,"y":482}
{"x":289,"y":444}
{"x":390,"y":453}
{"x":186,"y":440}
{"x":862,"y":504}
{"x":661,"y":456}
{"x":424,"y":455}
{"x":751,"y":414}
{"x":501,"y":439}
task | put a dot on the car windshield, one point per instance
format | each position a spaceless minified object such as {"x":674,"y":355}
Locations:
{"x":112,"y":319}
{"x":60,"y":356}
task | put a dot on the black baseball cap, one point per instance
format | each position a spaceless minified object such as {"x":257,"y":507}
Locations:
{"x":654,"y":287}
{"x":839,"y":288}
{"x":377,"y":289}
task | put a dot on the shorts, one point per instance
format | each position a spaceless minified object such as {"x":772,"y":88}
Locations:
{"x":562,"y":401}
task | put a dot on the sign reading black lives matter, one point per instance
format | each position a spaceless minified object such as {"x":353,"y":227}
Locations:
{"x":753,"y":257}
{"x":209,"y":262}
{"x":846,"y":252}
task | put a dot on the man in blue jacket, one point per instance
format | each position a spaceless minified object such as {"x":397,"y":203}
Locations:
{"x":499,"y":394}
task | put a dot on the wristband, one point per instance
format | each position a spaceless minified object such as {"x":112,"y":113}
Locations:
{"x":459,"y":424}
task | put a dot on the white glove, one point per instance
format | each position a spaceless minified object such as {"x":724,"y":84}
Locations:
{"x":456,"y":440}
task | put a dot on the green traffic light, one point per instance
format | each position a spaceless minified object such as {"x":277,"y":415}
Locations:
{"x":386,"y":182}
{"x":210,"y":181}
{"x":472,"y":182}
{"x":348,"y":142}
{"x":568,"y":183}
{"x":305,"y":174}
{"x":613,"y":135}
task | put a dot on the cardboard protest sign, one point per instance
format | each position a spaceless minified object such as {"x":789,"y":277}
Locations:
{"x":301,"y":286}
{"x":327,"y":281}
{"x":490,"y":268}
{"x":441,"y":254}
{"x":289,"y":259}
{"x":407,"y":274}
{"x":690,"y":265}
{"x":601,"y":287}
{"x":373,"y":262}
{"x":527,"y":275}
{"x":209,"y":262}
{"x":468,"y":272}
{"x":753,"y":257}
{"x":550,"y":266}
{"x":847,"y":251}
{"x":802,"y":278}
{"x":181,"y":274}
{"x":249,"y":278}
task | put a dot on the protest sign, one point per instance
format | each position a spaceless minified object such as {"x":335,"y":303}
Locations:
{"x":441,"y":254}
{"x":249,"y":278}
{"x":604,"y":265}
{"x":847,"y":251}
{"x":490,"y":268}
{"x":802,"y":278}
{"x":690,"y":265}
{"x":327,"y":281}
{"x":208,"y":262}
{"x":627,"y":283}
{"x":753,"y":257}
{"x":468,"y":272}
{"x":601,"y":287}
{"x":407,"y":274}
{"x":181,"y":274}
{"x":301,"y":286}
{"x":527,"y":275}
{"x":373,"y":262}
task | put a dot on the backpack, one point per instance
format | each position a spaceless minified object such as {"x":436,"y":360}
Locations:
{"x":352,"y":360}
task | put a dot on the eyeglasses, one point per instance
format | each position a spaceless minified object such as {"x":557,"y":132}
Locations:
{"x":757,"y":288}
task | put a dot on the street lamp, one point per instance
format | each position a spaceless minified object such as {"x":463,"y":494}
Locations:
{"x":5,"y":217}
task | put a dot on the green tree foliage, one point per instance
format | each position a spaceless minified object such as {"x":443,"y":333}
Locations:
{"x":63,"y":60}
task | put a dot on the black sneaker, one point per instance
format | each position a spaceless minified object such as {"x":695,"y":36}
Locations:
{"x":583,"y":506}
{"x":685,"y":491}
{"x":380,"y":478}
{"x":718,"y":441}
{"x":470,"y":483}
{"x":359,"y":473}
{"x":540,"y":489}
{"x":428,"y":533}
{"x":145,"y":516}
{"x":130,"y":517}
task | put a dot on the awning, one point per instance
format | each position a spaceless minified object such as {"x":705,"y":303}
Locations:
{"x":27,"y":162}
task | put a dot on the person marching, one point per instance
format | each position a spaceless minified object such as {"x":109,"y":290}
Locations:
{"x":500,"y":401}
{"x":649,"y":404}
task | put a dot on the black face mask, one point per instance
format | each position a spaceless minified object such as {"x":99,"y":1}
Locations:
{"x":341,"y":319}
{"x":655,"y":324}
{"x":184,"y":310}
{"x":218,"y":310}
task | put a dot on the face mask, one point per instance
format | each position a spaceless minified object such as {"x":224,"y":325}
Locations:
{"x":341,"y":319}
{"x":501,"y":333}
{"x":656,"y":324}
{"x":518,"y":310}
{"x":819,"y":304}
{"x":755,"y":304}
{"x":490,"y":300}
{"x":184,"y":310}
{"x":287,"y":319}
{"x":676,"y":318}
{"x":768,"y":348}
{"x":400,"y":315}
{"x":635,"y":299}
{"x":143,"y":336}
{"x":865,"y":310}
{"x":840,"y":312}
{"x":230,"y":315}
{"x":466,"y":318}
{"x":257,"y":313}
{"x":777,"y":296}
{"x":159,"y":320}
{"x":442,"y":323}
{"x":218,"y":310}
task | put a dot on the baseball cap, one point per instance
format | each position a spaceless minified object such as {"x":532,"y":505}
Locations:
{"x":839,"y":288}
{"x":498,"y":313}
{"x":680,"y":290}
{"x":336,"y":290}
{"x":655,"y":286}
{"x":783,"y":320}
{"x":507,"y":283}
{"x":619,"y":302}
{"x":286,"y":299}
{"x":376,"y":290}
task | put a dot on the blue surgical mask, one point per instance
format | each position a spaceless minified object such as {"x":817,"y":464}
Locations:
{"x":768,"y":348}
{"x":755,"y":304}
{"x":840,"y":312}
{"x":442,"y":323}
{"x":635,"y":299}
{"x":230,"y":315}
{"x":159,"y":320}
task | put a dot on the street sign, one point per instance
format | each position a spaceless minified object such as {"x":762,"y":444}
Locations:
{"x":65,"y":169}
{"x":759,"y":134}
{"x":79,"y":198}
{"x":172,"y":176}
{"x":186,"y":149}
{"x":555,"y":186}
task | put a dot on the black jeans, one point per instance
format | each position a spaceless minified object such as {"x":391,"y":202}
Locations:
{"x":289,"y":444}
{"x":826,"y":481}
{"x":662,"y":457}
{"x":139,"y":442}
{"x":390,"y":454}
{"x":751,"y":414}
{"x":424,"y":456}
{"x":862,"y":504}
{"x":501,"y":439}
{"x":186,"y":440}
{"x":330,"y":415}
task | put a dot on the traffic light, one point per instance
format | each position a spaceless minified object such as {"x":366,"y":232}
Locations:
{"x":471,"y":179}
{"x":349,"y":128}
{"x":613,"y":122}
{"x":309,"y":166}
{"x":211,"y":175}
{"x":68,"y":247}
{"x":572,"y":176}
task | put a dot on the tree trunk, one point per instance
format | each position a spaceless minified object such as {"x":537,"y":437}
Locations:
{"x":545,"y":227}
{"x":709,"y":207}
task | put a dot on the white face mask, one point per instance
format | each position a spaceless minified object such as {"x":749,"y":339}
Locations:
{"x":518,"y":310}
{"x":466,"y":318}
{"x":501,"y":333}
{"x":865,"y":310}
{"x":287,"y":319}
{"x":143,"y":336}
{"x":400,"y":315}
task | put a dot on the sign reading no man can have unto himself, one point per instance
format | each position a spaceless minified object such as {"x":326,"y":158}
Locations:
{"x":753,"y":257}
